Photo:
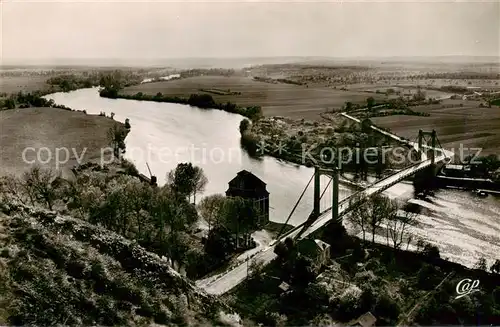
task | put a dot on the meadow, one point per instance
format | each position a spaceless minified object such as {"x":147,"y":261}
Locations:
{"x":52,"y":128}
{"x":294,"y":101}
{"x":458,"y":123}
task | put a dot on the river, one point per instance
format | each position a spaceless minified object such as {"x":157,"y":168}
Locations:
{"x":163,"y":134}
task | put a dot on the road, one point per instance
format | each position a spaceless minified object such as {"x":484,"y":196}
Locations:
{"x":236,"y":275}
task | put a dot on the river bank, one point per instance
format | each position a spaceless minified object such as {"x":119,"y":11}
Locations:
{"x":204,"y":101}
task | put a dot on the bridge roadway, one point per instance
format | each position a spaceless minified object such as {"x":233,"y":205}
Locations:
{"x":237,"y":274}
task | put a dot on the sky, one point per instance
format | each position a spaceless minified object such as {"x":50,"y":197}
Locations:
{"x":43,"y":30}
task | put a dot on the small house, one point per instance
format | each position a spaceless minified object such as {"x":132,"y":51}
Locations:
{"x":316,"y":250}
{"x":365,"y":320}
{"x":248,"y":186}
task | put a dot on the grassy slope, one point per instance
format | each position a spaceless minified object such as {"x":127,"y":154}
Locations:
{"x":57,"y":269}
{"x":470,"y":125}
{"x":52,"y":128}
{"x":275,"y":99}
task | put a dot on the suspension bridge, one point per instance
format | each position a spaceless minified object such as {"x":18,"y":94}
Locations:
{"x":332,"y":209}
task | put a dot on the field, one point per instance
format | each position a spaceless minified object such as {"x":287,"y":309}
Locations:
{"x":470,"y":125}
{"x":293,"y":101}
{"x":51,"y":128}
{"x":26,"y":83}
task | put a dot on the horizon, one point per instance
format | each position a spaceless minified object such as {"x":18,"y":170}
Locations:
{"x":164,"y":62}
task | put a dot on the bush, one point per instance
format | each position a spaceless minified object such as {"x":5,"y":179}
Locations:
{"x":386,"y":310}
{"x":244,"y":124}
{"x":348,"y":308}
{"x":130,"y":168}
{"x":250,"y":142}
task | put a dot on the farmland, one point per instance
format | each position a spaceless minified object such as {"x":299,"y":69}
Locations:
{"x":24,"y":83}
{"x":51,"y":128}
{"x":280,"y":99}
{"x":459,"y":122}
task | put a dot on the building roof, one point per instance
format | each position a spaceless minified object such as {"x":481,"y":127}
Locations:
{"x":322,"y":245}
{"x":365,"y":320}
{"x":250,"y":181}
{"x":309,"y":247}
{"x":284,"y":286}
{"x":246,"y":174}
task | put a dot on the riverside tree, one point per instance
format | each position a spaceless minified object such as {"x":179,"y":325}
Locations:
{"x":116,"y":138}
{"x":397,"y":226}
{"x":211,"y":208}
{"x":240,"y":218}
{"x":187,"y":180}
{"x":369,"y":212}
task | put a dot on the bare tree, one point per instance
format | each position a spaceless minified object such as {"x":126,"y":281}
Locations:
{"x":359,"y":215}
{"x":199,"y":182}
{"x":211,"y":209}
{"x":39,"y":184}
{"x":397,"y":227}
{"x":12,"y":189}
{"x":379,"y":208}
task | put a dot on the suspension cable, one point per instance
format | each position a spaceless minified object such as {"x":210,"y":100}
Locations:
{"x":295,"y":207}
{"x":326,"y":188}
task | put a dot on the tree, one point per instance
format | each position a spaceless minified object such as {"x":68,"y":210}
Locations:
{"x":302,"y":273}
{"x":481,"y":264}
{"x":359,"y":215}
{"x":116,"y":138}
{"x":370,"y":102}
{"x":424,"y":181}
{"x":244,"y":124}
{"x":111,"y":84}
{"x":397,"y":226}
{"x":170,"y":215}
{"x":366,"y":126}
{"x":219,"y":243}
{"x":127,"y":123}
{"x":495,"y":268}
{"x":187,"y":180}
{"x":38,"y":183}
{"x":199,"y":182}
{"x":12,"y":189}
{"x":380,"y":207}
{"x":240,"y":217}
{"x":211,"y":208}
{"x":431,"y":251}
{"x":348,"y":106}
{"x":181,"y":179}
{"x":420,"y":95}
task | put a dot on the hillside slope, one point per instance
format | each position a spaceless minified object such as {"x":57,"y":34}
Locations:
{"x":61,"y":270}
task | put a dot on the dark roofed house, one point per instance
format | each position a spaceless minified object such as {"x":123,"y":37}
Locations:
{"x":248,"y":186}
{"x":316,"y":250}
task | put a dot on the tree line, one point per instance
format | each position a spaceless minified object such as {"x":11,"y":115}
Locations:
{"x":161,"y":219}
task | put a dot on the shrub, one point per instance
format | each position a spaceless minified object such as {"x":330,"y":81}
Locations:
{"x":387,"y":310}
{"x":244,"y":124}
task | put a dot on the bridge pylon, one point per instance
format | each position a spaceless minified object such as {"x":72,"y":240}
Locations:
{"x":334,"y":174}
{"x":421,"y":138}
